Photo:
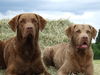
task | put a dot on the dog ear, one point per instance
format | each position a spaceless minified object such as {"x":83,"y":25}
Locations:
{"x":42,"y":22}
{"x":14,"y":22}
{"x":94,"y":32}
{"x":69,"y":31}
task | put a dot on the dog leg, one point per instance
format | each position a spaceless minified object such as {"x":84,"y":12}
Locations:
{"x":89,"y":70}
{"x":63,"y":70}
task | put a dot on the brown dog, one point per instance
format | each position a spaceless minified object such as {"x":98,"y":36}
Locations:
{"x":2,"y":63}
{"x":21,"y":53}
{"x":75,"y":56}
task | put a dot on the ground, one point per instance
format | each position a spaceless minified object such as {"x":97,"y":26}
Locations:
{"x":53,"y":71}
{"x":96,"y":68}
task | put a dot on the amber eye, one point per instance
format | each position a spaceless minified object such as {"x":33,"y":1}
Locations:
{"x":34,"y":21}
{"x":88,"y":31}
{"x":78,"y":31}
{"x":22,"y":21}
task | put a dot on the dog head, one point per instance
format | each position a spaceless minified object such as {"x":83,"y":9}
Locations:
{"x":81,"y":35}
{"x":27,"y":25}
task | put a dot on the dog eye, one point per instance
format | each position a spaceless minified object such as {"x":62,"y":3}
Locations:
{"x":34,"y":21}
{"x":22,"y":21}
{"x":78,"y":31}
{"x":88,"y":31}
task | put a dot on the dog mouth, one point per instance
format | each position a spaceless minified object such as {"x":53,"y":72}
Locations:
{"x":29,"y":38}
{"x":84,"y":45}
{"x":28,"y":35}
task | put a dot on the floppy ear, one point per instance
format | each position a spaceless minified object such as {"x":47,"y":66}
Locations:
{"x":94,"y":32}
{"x":14,"y":22}
{"x":42,"y":22}
{"x":69,"y":31}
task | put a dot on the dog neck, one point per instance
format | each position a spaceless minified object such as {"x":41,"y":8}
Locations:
{"x":28,"y":48}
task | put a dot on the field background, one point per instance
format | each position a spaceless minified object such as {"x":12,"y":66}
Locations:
{"x":53,"y":33}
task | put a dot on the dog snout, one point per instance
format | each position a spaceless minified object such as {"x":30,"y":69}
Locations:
{"x":29,"y":28}
{"x":84,"y":38}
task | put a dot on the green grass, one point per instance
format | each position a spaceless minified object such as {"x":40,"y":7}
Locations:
{"x":96,"y":67}
{"x":53,"y":33}
{"x":2,"y":72}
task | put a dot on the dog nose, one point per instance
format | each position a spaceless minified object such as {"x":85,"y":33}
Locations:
{"x":29,"y":28}
{"x":84,"y":37}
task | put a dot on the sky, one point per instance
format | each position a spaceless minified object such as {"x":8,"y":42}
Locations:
{"x":77,"y":11}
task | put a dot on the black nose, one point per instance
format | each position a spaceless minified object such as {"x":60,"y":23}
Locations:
{"x":29,"y":28}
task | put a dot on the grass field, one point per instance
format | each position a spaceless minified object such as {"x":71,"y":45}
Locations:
{"x":96,"y":67}
{"x":53,"y":33}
